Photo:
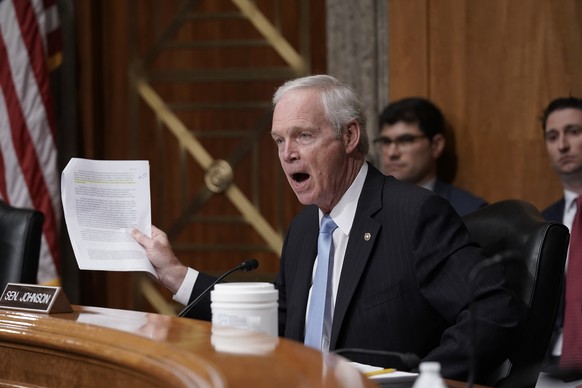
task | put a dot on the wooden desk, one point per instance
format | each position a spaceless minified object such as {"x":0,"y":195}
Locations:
{"x":105,"y":347}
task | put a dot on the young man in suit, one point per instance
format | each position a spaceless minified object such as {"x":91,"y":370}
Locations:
{"x":399,"y":272}
{"x":562,"y":126}
{"x":412,"y":139}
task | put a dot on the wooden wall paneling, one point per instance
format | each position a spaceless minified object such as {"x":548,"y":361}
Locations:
{"x":213,"y":109}
{"x":92,"y":107}
{"x":492,"y":67}
{"x":114,"y":80}
{"x":559,"y":73}
{"x":408,"y":48}
{"x":117,"y":143}
{"x":446,"y":68}
{"x":211,"y":123}
{"x":502,"y":153}
{"x":471,"y":84}
{"x":221,"y":88}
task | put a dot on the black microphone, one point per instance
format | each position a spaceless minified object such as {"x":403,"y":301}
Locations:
{"x":408,"y":360}
{"x":499,"y":258}
{"x":245,"y":266}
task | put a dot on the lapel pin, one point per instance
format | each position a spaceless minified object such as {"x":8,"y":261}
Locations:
{"x":367,"y":236}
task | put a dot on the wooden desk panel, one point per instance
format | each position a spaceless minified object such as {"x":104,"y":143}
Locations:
{"x":105,"y":347}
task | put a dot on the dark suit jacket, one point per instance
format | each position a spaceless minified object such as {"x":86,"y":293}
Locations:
{"x":462,"y":201}
{"x":555,"y":212}
{"x":404,"y":289}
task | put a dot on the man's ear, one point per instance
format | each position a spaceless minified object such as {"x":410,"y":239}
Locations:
{"x":352,"y":136}
{"x":437,"y":145}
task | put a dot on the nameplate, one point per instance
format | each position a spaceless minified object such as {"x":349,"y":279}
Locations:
{"x":43,"y":299}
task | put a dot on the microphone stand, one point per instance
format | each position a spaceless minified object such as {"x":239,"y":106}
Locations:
{"x":248,"y":265}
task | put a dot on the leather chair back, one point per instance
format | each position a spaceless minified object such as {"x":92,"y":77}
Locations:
{"x":518,"y":227}
{"x":20,"y":237}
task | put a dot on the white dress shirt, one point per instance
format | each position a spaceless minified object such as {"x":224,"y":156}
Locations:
{"x":343,"y":215}
{"x":429,"y":184}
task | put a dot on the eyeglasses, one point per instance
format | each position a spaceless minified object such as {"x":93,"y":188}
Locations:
{"x":402,"y":142}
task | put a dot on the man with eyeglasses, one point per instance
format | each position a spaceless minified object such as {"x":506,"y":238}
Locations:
{"x":411,"y":141}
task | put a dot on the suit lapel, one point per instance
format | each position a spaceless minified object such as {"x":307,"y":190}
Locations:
{"x":556,"y":212}
{"x":362,"y":238}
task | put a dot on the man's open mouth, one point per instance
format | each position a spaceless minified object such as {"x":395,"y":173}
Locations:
{"x":299,"y":177}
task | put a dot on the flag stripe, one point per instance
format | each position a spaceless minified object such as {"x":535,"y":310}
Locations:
{"x":34,"y":44}
{"x":47,"y":20}
{"x":28,"y":170}
{"x":3,"y":191}
{"x":26,"y":155}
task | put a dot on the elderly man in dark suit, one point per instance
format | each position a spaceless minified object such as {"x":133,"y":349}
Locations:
{"x":412,"y":141}
{"x":398,"y":274}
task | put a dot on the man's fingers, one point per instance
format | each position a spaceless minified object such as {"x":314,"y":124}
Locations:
{"x":139,"y":236}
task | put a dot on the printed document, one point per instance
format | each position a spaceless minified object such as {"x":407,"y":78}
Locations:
{"x":102,"y":201}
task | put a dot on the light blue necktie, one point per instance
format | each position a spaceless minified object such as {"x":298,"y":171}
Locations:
{"x":320,"y":303}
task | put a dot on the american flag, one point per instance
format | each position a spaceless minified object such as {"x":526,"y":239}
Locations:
{"x":30,"y":47}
